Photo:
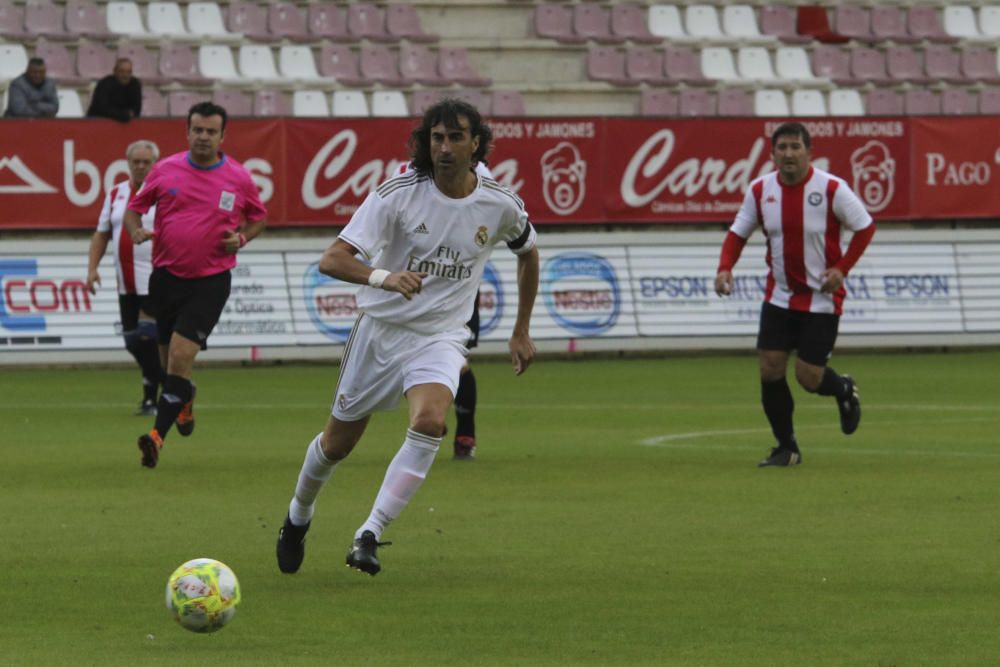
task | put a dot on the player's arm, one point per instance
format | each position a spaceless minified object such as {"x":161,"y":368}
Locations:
{"x":340,"y":262}
{"x":851,"y":213}
{"x":736,"y":238}
{"x":254,"y":219}
{"x":98,"y":246}
{"x":522,"y":348}
{"x":133,"y":227}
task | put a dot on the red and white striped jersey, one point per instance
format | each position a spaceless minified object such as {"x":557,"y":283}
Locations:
{"x":133,"y":263}
{"x":803,"y":224}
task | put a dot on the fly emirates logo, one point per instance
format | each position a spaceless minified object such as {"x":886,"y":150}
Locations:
{"x":444,"y":264}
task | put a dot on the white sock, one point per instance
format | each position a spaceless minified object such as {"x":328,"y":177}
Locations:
{"x":405,"y":475}
{"x":316,"y":471}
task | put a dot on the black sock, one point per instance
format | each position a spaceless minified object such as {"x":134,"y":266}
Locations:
{"x":176,"y":392}
{"x":832,"y":384}
{"x":779,"y":406}
{"x":148,"y":356}
{"x":465,"y":405}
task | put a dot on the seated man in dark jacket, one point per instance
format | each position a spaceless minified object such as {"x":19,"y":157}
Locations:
{"x":118,"y":95}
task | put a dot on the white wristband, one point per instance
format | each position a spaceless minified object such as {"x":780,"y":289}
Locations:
{"x":377,"y":277}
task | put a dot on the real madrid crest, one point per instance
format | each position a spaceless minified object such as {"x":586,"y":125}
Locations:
{"x":482,"y":236}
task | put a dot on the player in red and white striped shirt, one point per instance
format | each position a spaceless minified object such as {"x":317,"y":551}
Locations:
{"x":802,"y":212}
{"x":132,"y":265}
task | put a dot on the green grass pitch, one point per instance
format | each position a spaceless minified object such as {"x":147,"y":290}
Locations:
{"x":615,"y":516}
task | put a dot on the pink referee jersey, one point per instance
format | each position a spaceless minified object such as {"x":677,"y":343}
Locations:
{"x":133,"y":263}
{"x":195,"y":207}
{"x":803,"y":224}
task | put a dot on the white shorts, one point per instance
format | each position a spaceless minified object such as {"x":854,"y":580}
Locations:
{"x":382,"y":361}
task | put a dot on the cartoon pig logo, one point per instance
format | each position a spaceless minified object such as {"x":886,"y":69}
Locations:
{"x":563,"y":174}
{"x":874,"y":173}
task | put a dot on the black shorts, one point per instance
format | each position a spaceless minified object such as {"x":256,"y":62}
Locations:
{"x":473,"y":324}
{"x":129,"y":306}
{"x":190,"y":307}
{"x":812,"y":334}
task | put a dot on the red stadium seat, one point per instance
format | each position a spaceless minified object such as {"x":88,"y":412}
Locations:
{"x":418,"y":63}
{"x":365,"y":20}
{"x":271,"y":103}
{"x":403,"y":22}
{"x":285,"y":20}
{"x":377,"y":64}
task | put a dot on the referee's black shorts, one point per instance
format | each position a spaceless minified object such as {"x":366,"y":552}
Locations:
{"x":129,"y":306}
{"x":190,"y":307}
{"x":812,"y":334}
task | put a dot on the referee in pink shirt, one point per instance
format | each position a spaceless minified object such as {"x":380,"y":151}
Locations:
{"x":207,"y":208}
{"x":803,"y":212}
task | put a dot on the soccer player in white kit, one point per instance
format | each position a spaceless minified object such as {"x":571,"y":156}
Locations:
{"x":802,"y":211}
{"x":133,"y":264}
{"x":432,"y":230}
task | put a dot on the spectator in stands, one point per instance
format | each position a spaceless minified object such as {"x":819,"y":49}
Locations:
{"x":118,"y":95}
{"x":133,"y":264}
{"x":207,"y":208}
{"x":803,"y":212}
{"x":430,"y":232}
{"x":32,"y":95}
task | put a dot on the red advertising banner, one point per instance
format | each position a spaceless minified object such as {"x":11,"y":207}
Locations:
{"x":54,"y":173}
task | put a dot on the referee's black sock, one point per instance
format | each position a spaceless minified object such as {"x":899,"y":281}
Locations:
{"x":176,"y":392}
{"x":149,"y":360}
{"x":465,"y":405}
{"x":779,"y":406}
{"x":833,"y":384}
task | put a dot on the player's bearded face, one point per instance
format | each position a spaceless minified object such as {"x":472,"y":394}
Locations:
{"x":791,"y":158}
{"x":452,"y":148}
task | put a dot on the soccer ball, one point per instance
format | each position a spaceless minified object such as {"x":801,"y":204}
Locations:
{"x":202,"y":594}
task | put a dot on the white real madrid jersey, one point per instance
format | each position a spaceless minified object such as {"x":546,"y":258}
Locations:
{"x":133,"y":263}
{"x":407,"y":224}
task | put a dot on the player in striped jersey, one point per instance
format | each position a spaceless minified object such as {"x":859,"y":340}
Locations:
{"x":802,"y":211}
{"x":428,"y":233}
{"x":133,"y":264}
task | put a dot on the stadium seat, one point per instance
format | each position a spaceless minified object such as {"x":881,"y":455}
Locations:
{"x":658,"y":102}
{"x":256,"y":63}
{"x":365,"y":20}
{"x":154,"y":104}
{"x":269,"y":102}
{"x":508,"y":103}
{"x":883,"y":102}
{"x":179,"y":102}
{"x":791,"y":64}
{"x":925,"y":23}
{"x":215,"y":61}
{"x":144,"y":65}
{"x":943,"y":63}
{"x":250,"y":20}
{"x":178,"y":63}
{"x":768,"y":102}
{"x":702,"y":22}
{"x":921,"y":102}
{"x":958,"y":102}
{"x":327,"y":21}
{"x":60,"y":65}
{"x":12,"y":22}
{"x":960,"y":21}
{"x":418,"y":63}
{"x":629,"y":22}
{"x":95,"y":61}
{"x":378,"y":64}
{"x":989,"y":101}
{"x":234,"y":102}
{"x":832,"y":62}
{"x":779,"y":21}
{"x":13,"y":61}
{"x":905,"y":64}
{"x":606,"y":63}
{"x":310,"y":104}
{"x":403,"y":22}
{"x":165,"y":20}
{"x":645,"y":64}
{"x":338,"y":61}
{"x":889,"y":24}
{"x":754,"y":63}
{"x":386,"y":103}
{"x":734,"y":102}
{"x":421,"y":100}
{"x":740,"y":22}
{"x":204,"y":20}
{"x":813,"y":20}
{"x":349,"y":104}
{"x":552,"y":21}
{"x":853,"y":21}
{"x":84,"y":19}
{"x":845,"y":102}
{"x":868,"y":65}
{"x":124,"y":18}
{"x":286,"y":21}
{"x":808,"y":103}
{"x":69,"y":104}
{"x":989,"y":21}
{"x":980,"y":63}
{"x":593,"y":22}
{"x":665,"y":22}
{"x":680,"y":63}
{"x":717,"y":63}
{"x":477,"y":98}
{"x":696,"y":102}
{"x":296,"y":62}
{"x":454,"y":65}
{"x":46,"y":20}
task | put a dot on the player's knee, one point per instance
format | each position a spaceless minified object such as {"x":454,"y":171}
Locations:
{"x":146,"y":330}
{"x":429,"y":424}
{"x":132,"y":341}
{"x":808,"y":377}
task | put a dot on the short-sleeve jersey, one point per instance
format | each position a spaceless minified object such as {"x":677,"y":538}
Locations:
{"x":195,"y":208}
{"x":133,"y":263}
{"x":803,"y":224}
{"x":407,"y":224}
